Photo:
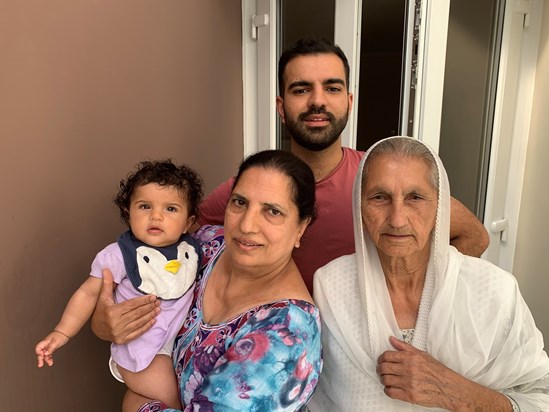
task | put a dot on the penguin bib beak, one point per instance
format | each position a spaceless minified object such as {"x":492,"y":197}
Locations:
{"x":172,"y":266}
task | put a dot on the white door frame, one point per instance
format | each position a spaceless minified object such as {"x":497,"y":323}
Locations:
{"x":513,"y":109}
{"x":259,"y":63}
{"x":430,"y":71}
{"x":348,"y":16}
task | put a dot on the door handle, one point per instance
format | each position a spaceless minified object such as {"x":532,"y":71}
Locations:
{"x":500,"y":226}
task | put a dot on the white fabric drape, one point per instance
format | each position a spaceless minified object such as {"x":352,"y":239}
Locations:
{"x":472,"y":318}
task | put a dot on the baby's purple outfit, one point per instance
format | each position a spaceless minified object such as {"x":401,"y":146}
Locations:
{"x":138,"y":354}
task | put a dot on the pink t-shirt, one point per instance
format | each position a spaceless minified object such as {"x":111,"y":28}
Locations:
{"x":329,"y":236}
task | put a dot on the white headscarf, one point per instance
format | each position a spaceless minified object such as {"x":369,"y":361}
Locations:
{"x":471,"y":317}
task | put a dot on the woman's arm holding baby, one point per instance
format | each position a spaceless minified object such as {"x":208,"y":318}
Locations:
{"x":122,"y":322}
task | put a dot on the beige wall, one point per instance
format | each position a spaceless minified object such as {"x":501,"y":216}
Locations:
{"x":531,"y":266}
{"x":87,"y":89}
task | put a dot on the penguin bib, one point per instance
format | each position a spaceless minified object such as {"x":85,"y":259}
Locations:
{"x":167,"y":272}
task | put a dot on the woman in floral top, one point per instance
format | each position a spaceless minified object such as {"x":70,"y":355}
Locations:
{"x":251,"y":341}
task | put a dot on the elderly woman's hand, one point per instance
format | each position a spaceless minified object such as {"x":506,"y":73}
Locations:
{"x":411,"y":375}
{"x":125,"y":321}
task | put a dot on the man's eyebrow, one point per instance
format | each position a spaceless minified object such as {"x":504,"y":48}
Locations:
{"x":334,"y":80}
{"x":299,"y":83}
{"x":304,"y":83}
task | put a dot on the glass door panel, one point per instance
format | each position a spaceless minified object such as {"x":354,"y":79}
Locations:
{"x":381,"y":70}
{"x":472,"y":56}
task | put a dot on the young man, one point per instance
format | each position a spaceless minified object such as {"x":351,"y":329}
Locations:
{"x":314,"y":105}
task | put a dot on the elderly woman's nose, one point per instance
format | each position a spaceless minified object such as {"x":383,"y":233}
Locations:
{"x":397,"y":216}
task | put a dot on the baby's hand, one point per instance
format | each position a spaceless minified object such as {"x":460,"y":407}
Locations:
{"x":45,"y":348}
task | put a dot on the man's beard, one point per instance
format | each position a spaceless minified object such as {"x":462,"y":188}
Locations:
{"x":315,"y":138}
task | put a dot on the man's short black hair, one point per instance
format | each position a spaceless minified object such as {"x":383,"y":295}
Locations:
{"x":310,"y":46}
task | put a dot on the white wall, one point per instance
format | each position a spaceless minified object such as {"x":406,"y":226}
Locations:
{"x":531,"y":266}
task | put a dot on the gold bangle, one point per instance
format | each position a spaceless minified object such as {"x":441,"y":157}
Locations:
{"x":64,"y":334}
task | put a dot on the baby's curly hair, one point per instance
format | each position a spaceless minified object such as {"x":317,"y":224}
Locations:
{"x":164,"y":173}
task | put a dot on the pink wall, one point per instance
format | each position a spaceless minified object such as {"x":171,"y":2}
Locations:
{"x":88,"y":89}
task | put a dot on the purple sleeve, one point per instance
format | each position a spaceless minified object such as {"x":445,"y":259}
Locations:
{"x":212,"y":208}
{"x":153,"y":406}
{"x":109,"y":258}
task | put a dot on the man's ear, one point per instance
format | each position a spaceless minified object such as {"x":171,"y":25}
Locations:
{"x":351,"y":97}
{"x":280,"y":108}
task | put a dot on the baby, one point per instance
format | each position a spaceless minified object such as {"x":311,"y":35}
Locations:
{"x":159,"y":202}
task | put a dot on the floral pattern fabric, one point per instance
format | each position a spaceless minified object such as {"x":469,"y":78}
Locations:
{"x":408,"y":335}
{"x":266,"y":359}
{"x":152,"y":406}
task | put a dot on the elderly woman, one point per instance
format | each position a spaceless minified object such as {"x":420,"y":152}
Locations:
{"x":251,"y":341}
{"x":409,"y":323}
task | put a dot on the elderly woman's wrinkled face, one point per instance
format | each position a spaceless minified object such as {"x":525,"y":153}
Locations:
{"x":399,"y":205}
{"x":262,"y":224}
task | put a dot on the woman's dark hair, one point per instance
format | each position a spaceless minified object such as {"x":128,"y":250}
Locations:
{"x":164,"y":173}
{"x":310,"y":46}
{"x":300,"y":174}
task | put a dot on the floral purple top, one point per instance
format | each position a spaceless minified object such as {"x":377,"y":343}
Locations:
{"x":266,"y":359}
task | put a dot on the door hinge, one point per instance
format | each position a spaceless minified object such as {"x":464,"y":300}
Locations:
{"x":258,"y":20}
{"x":415,"y":43}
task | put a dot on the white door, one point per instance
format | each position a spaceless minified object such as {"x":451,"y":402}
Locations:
{"x":421,"y":91}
